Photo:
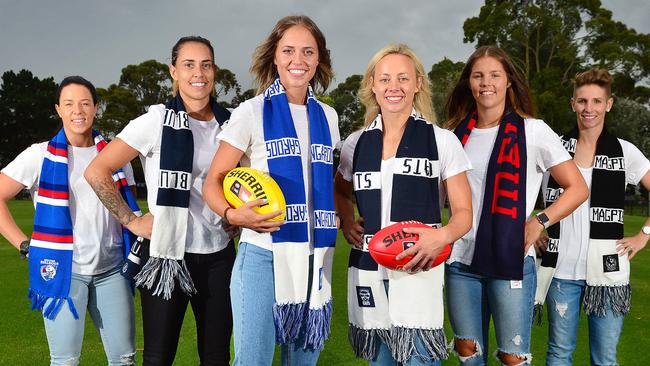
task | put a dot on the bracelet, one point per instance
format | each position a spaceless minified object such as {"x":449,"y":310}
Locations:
{"x":225,"y":215}
{"x":24,"y":248}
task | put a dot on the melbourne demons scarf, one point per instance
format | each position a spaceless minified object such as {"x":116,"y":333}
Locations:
{"x":168,"y":236}
{"x":392,"y":318}
{"x":608,"y":275}
{"x":51,"y":246}
{"x":291,"y":248}
{"x":499,"y":245}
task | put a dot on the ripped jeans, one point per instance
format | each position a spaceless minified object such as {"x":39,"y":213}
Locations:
{"x":109,"y":300}
{"x":473,"y":298}
{"x":563,"y":301}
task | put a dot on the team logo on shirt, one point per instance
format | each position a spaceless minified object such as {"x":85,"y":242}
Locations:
{"x":48,"y":269}
{"x":364,"y":297}
{"x":610,"y":263}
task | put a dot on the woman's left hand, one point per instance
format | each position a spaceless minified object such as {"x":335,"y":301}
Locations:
{"x":424,"y":251}
{"x":631,"y":245}
{"x":532,"y":232}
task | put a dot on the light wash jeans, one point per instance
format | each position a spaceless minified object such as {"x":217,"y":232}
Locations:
{"x":563,"y":301}
{"x":109,"y":300}
{"x":252,"y":294}
{"x":473,"y":298}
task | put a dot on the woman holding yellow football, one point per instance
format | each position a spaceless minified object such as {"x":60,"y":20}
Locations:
{"x":281,"y":279}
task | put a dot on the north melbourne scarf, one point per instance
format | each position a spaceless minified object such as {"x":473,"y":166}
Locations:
{"x":52,"y":242}
{"x":167,"y":246}
{"x":392,"y":317}
{"x":499,"y":244}
{"x":291,"y":244}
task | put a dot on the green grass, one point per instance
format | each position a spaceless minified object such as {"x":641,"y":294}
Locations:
{"x":23,"y":342}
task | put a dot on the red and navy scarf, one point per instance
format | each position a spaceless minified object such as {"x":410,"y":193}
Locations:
{"x":499,"y":244}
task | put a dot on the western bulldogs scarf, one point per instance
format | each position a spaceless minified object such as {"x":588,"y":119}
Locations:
{"x":608,"y":275}
{"x":167,"y":246}
{"x":373,"y":315}
{"x":291,"y":250}
{"x":499,"y":245}
{"x":52,"y":242}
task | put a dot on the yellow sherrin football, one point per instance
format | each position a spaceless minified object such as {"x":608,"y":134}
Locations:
{"x":247,"y":184}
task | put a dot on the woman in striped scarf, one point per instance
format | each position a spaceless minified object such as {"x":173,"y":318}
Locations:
{"x":77,"y":246}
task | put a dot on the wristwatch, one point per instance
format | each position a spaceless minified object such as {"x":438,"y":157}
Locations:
{"x":24,"y":249}
{"x":543,"y":219}
{"x":646,"y":230}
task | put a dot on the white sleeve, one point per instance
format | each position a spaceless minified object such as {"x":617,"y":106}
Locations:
{"x":347,"y":155}
{"x":453,"y":159}
{"x":636,"y":164}
{"x":239,"y":131}
{"x":333,"y":122}
{"x":26,"y":167}
{"x":144,"y":132}
{"x":128,"y":172}
{"x":551,"y":152}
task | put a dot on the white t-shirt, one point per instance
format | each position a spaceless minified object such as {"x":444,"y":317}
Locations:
{"x":97,"y":235}
{"x":544,"y":150}
{"x":575,"y":228}
{"x":204,"y":228}
{"x":245,"y":131}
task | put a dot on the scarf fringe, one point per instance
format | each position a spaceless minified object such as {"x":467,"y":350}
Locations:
{"x":402,"y":343}
{"x":169,"y":270}
{"x":50,"y":312}
{"x":364,"y":341}
{"x":288,"y":319}
{"x":318,"y":326}
{"x":596,"y":299}
{"x":538,"y":314}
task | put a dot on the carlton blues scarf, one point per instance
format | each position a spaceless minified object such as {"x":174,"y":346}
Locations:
{"x":51,"y":246}
{"x":167,"y":246}
{"x":291,"y":248}
{"x":375,"y":316}
{"x":499,"y":245}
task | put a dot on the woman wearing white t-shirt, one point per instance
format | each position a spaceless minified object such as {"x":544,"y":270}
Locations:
{"x":77,"y":246}
{"x":586,"y":255}
{"x":491,"y":271}
{"x":399,"y":165}
{"x":189,"y":258}
{"x":281,"y":279}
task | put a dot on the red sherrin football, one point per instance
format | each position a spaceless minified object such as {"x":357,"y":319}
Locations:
{"x":390,"y":241}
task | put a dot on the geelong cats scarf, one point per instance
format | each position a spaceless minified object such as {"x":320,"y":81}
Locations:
{"x":291,"y":248}
{"x":51,"y":246}
{"x":499,"y":245}
{"x":375,"y":316}
{"x":167,"y":246}
{"x":608,"y":275}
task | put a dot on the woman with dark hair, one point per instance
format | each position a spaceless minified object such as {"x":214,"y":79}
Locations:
{"x":491,"y":271}
{"x":586,"y":259}
{"x":76,"y":247}
{"x":281,"y":279}
{"x":189,"y":258}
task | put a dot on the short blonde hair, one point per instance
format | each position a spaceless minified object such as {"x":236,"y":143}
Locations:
{"x":600,"y":77}
{"x":422,"y":101}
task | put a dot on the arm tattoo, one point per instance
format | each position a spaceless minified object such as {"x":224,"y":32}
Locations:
{"x":107,"y":192}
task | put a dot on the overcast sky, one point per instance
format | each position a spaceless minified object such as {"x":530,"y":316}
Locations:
{"x":96,"y":39}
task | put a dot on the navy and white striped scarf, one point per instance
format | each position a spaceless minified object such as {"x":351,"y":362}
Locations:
{"x":291,"y":248}
{"x":52,"y":243}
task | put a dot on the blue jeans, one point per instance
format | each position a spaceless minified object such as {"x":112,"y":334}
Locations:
{"x":473,"y":298}
{"x":252,"y":295}
{"x":109,"y":300}
{"x":564,"y":300}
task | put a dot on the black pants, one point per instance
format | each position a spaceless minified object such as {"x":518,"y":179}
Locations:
{"x":162,"y":319}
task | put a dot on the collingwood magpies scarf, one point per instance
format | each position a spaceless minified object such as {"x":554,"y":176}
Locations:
{"x":608,"y":275}
{"x":393,"y":319}
{"x":291,"y":249}
{"x":499,"y":244}
{"x":167,"y":247}
{"x":52,"y":242}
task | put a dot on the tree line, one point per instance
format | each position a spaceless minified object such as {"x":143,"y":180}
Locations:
{"x":549,"y":41}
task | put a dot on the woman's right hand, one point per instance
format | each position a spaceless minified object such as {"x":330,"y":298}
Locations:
{"x":141,"y":226}
{"x":245,"y":216}
{"x":353,"y":232}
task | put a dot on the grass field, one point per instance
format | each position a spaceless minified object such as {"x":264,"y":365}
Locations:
{"x":23,"y":342}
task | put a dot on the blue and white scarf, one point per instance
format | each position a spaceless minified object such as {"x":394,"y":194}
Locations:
{"x":291,"y":244}
{"x":52,"y":243}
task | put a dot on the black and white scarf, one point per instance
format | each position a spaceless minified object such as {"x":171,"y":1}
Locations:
{"x":393,"y":318}
{"x":167,"y":246}
{"x":608,"y":275}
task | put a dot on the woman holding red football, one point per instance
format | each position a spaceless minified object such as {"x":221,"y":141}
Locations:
{"x":491,"y":271}
{"x":398,"y":169}
{"x":281,"y":280}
